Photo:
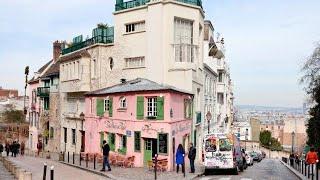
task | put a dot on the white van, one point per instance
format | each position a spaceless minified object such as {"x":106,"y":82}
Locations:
{"x":222,"y":151}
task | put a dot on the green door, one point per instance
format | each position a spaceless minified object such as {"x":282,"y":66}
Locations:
{"x":147,"y":151}
{"x":112,"y":139}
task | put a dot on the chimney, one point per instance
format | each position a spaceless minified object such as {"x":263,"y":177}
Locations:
{"x":123,"y":80}
{"x":56,"y":50}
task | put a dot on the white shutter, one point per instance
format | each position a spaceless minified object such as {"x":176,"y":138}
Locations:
{"x":82,"y":105}
{"x":72,"y":105}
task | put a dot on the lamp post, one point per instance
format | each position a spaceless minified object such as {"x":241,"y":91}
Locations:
{"x":292,"y":134}
{"x":208,"y":116}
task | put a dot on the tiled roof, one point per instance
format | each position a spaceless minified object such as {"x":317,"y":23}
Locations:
{"x":53,"y":70}
{"x":135,"y":85}
{"x":40,"y":71}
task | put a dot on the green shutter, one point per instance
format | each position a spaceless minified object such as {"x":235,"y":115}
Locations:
{"x":110,"y":107}
{"x":140,"y":107}
{"x":100,"y":109}
{"x":195,"y":138}
{"x":185,"y":108}
{"x":190,"y":109}
{"x":160,"y":108}
{"x":101,"y":138}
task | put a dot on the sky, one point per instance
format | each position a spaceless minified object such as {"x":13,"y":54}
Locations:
{"x":266,"y":41}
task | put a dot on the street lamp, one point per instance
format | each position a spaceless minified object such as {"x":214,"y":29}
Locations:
{"x":292,"y":134}
{"x":208,"y":116}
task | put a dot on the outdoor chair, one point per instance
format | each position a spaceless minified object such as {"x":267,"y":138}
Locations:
{"x":150,"y":165}
{"x":164,"y":166}
{"x":112,"y":159}
{"x":120,"y":160}
{"x":129,"y":162}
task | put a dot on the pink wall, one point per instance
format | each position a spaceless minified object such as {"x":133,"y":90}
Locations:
{"x":125,"y":120}
{"x":32,"y":144}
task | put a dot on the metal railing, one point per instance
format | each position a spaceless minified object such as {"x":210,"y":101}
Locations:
{"x":89,"y":42}
{"x":310,"y":171}
{"x":137,"y":3}
{"x":43,"y":91}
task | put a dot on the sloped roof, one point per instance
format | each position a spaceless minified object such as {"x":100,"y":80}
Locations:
{"x":40,"y":71}
{"x":53,"y":70}
{"x":139,"y":84}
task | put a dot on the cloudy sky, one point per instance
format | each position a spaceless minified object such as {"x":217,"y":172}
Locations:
{"x":266,"y":41}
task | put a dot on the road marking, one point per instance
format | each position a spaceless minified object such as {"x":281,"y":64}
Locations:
{"x":225,"y":178}
{"x":205,"y":178}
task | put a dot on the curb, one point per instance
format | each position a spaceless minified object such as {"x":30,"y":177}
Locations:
{"x":294,"y":171}
{"x":89,"y":170}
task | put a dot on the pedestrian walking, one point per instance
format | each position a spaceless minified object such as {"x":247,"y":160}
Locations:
{"x":22,"y":148}
{"x":15,"y":147}
{"x":180,"y":158}
{"x":1,"y":149}
{"x":39,"y":147}
{"x":105,"y":151}
{"x":192,"y":157}
{"x":7,"y":147}
{"x":291,"y":157}
{"x":312,"y":158}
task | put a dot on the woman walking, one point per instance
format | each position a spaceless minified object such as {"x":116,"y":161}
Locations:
{"x":180,"y":158}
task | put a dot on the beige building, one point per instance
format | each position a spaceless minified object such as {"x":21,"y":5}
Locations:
{"x":255,"y":129}
{"x":160,"y":40}
{"x":294,"y":124}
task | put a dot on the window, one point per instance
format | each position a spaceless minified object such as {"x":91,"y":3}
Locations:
{"x":163,"y":143}
{"x":82,"y":105}
{"x":111,"y":63}
{"x":91,"y":106}
{"x":46,"y":103}
{"x":183,"y":46}
{"x":123,"y":102}
{"x":93,"y":68}
{"x":278,"y":127}
{"x":137,"y":141}
{"x":73,"y":136}
{"x":78,"y":69}
{"x":220,"y":77}
{"x":135,"y":27}
{"x":211,"y":145}
{"x":135,"y":62}
{"x":220,"y":99}
{"x":152,"y":107}
{"x":72,"y":105}
{"x":65,"y":134}
{"x":224,"y":145}
{"x":106,"y":104}
{"x":51,"y":132}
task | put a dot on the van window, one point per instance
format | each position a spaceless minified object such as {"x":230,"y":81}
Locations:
{"x":211,"y":145}
{"x":224,"y":145}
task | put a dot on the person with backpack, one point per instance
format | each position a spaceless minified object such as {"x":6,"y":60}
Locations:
{"x":180,"y":158}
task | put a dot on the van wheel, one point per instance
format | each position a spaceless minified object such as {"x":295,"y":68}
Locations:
{"x":235,"y":171}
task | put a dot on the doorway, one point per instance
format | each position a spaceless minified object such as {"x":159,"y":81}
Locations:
{"x":174,"y":152}
{"x":150,"y":149}
{"x":83,"y":140}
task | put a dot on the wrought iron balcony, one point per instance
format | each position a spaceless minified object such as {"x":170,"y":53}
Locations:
{"x":89,"y":42}
{"x":136,"y":3}
{"x":43,"y":91}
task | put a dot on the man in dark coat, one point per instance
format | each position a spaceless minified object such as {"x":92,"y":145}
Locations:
{"x":105,"y":149}
{"x":192,"y":157}
{"x":1,"y":148}
{"x":7,"y":147}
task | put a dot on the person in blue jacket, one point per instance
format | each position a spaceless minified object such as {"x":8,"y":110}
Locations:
{"x":180,"y":157}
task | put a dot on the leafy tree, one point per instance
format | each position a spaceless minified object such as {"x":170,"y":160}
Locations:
{"x":11,"y":115}
{"x":265,"y":137}
{"x":311,"y":79}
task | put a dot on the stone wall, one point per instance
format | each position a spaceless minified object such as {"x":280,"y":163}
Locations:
{"x":54,"y":123}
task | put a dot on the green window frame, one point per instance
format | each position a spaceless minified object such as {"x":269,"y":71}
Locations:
{"x":100,"y":107}
{"x":163,"y":143}
{"x":123,"y":150}
{"x":112,"y":141}
{"x":140,"y":107}
{"x":46,"y":103}
{"x":110,"y":106}
{"x":137,"y":141}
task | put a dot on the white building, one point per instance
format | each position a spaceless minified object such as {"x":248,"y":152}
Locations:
{"x":242,"y":130}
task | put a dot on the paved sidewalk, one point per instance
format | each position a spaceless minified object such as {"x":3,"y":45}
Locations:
{"x":4,"y":173}
{"x":121,"y":173}
{"x":61,"y":171}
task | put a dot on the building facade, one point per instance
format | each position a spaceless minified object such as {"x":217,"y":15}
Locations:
{"x":255,"y":129}
{"x":139,"y":118}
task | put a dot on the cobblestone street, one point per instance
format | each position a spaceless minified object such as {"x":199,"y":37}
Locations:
{"x":267,"y":169}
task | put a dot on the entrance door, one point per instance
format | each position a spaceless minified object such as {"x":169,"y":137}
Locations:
{"x":83,"y":140}
{"x":147,"y":151}
{"x":174,"y":152}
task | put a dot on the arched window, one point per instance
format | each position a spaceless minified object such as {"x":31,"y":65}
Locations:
{"x":111,"y":63}
{"x":123,"y":102}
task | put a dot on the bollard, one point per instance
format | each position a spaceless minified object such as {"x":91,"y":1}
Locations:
{"x":68,"y":156}
{"x":312,"y":166}
{"x":13,"y":168}
{"x":94,"y":161}
{"x":87,"y":158}
{"x":302,"y":162}
{"x":16,"y":171}
{"x":44,"y":171}
{"x":305,"y":169}
{"x":73,"y":158}
{"x":52,"y":173}
{"x":80,"y":159}
{"x":21,"y":174}
{"x":9,"y":166}
{"x":27,"y":176}
{"x":308,"y":170}
{"x":155,"y":166}
{"x":317,"y":171}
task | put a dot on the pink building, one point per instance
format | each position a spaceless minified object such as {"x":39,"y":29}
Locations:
{"x":139,"y":118}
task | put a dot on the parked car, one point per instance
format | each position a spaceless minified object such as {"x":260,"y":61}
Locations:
{"x":245,"y":164}
{"x":249,"y":159}
{"x":263,"y":154}
{"x":256,"y":156}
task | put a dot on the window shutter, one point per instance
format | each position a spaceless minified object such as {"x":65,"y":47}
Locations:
{"x":110,"y":106}
{"x":140,"y":107}
{"x":101,"y":138}
{"x":160,"y":108}
{"x":190,"y":109}
{"x":185,"y":108}
{"x":100,"y":107}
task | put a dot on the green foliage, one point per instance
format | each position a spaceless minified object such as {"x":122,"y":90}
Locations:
{"x":265,"y":137}
{"x":102,"y":25}
{"x":11,"y":115}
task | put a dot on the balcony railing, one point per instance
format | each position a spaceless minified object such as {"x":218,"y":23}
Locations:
{"x":136,"y":3}
{"x":43,"y":91}
{"x":89,"y":42}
